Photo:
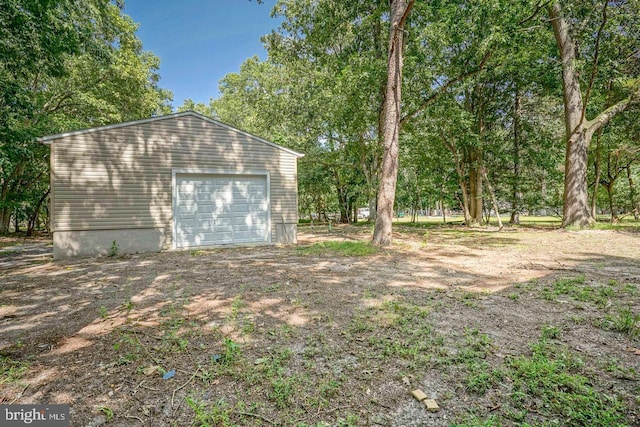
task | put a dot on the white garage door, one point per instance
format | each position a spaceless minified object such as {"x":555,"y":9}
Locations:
{"x":215,"y":209}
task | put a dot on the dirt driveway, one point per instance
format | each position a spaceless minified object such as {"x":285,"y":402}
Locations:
{"x":25,"y":254}
{"x":284,"y":336}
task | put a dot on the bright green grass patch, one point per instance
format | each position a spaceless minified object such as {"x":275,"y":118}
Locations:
{"x":624,"y":225}
{"x":578,"y":288}
{"x":552,"y":376}
{"x":624,"y":320}
{"x":11,"y":370}
{"x":347,"y":248}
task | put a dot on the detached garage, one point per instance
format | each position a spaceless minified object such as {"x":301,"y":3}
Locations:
{"x":176,"y":181}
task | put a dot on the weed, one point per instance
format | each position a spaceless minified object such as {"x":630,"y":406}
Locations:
{"x":108,"y":412}
{"x":360,"y":325}
{"x":514,"y":296}
{"x":113,"y":251}
{"x":248,"y":327}
{"x":478,"y":346}
{"x":470,"y":296}
{"x":273,"y":288}
{"x":282,"y":331}
{"x":103,"y":312}
{"x":624,"y":321}
{"x":198,"y":252}
{"x":11,"y":370}
{"x":236,"y":305}
{"x":350,"y":421}
{"x":550,"y":332}
{"x":481,"y":377}
{"x":231,"y":350}
{"x":406,"y":332}
{"x":617,"y":371}
{"x":577,"y":319}
{"x":329,"y":388}
{"x":130,"y":348}
{"x":218,"y":414}
{"x":282,"y":389}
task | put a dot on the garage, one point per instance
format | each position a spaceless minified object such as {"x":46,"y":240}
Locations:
{"x":169,"y":183}
{"x":221,"y":209}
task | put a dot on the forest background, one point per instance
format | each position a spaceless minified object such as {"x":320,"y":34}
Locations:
{"x":521,"y":107}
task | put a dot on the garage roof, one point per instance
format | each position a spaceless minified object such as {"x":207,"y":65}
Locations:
{"x":50,"y":139}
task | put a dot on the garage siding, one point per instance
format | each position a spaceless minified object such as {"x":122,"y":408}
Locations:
{"x":121,"y":178}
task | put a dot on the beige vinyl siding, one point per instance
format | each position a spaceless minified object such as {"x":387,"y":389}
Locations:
{"x":121,"y":178}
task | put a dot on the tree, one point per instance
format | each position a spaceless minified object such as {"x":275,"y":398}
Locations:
{"x":613,"y":26}
{"x":400,"y":10}
{"x":64,"y":65}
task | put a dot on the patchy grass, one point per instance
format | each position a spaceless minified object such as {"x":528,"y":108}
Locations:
{"x":625,"y":224}
{"x":12,"y":371}
{"x":551,"y":382}
{"x":343,"y":248}
{"x":579,"y":290}
{"x":623,"y":320}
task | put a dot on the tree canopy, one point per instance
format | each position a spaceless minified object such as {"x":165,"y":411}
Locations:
{"x":517,"y":107}
{"x":484,"y":98}
{"x":64,"y":65}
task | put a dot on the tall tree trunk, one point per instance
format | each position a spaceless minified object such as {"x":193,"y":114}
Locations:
{"x":33,"y":220}
{"x":475,"y":186}
{"x":465,"y":200}
{"x":516,"y":201}
{"x":579,"y":130}
{"x":494,"y":201}
{"x":635,"y":208}
{"x":5,"y":212}
{"x":444,"y":215}
{"x":575,"y":210}
{"x":382,"y":233}
{"x":16,"y":222}
{"x":612,"y":211}
{"x":596,"y":182}
{"x":5,"y":220}
{"x":344,"y":205}
{"x":372,"y":210}
{"x":460,"y":164}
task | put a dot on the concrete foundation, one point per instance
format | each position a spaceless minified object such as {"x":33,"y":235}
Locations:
{"x":67,"y":244}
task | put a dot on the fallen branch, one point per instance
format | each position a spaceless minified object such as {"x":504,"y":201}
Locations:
{"x":173,"y":395}
{"x":133,"y":417}
{"x":19,"y":395}
{"x":250,"y":414}
{"x":148,"y":388}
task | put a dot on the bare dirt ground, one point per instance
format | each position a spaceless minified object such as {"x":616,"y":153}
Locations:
{"x":287,"y":336}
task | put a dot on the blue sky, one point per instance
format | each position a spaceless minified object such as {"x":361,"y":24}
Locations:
{"x":200,"y":41}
